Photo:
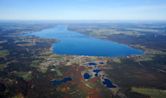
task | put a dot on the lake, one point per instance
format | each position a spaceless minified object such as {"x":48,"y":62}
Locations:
{"x":59,"y":82}
{"x":75,"y":43}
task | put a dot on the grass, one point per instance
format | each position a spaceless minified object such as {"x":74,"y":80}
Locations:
{"x":35,"y":63}
{"x":153,"y":93}
{"x":3,"y":53}
{"x":25,"y":75}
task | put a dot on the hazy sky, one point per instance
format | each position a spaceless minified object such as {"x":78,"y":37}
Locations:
{"x":83,"y":9}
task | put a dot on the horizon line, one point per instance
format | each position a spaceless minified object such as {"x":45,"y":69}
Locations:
{"x":77,"y":21}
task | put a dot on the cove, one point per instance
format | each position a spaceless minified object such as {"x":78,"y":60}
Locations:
{"x":75,"y":43}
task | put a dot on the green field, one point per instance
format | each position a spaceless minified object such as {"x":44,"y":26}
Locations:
{"x":153,"y":93}
{"x":25,"y":75}
{"x":3,"y":53}
{"x":2,"y":66}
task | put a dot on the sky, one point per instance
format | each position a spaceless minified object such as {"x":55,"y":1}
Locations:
{"x":82,"y":9}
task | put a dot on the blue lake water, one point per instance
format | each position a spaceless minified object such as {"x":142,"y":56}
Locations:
{"x":87,"y":76}
{"x":96,"y":71}
{"x":59,"y":82}
{"x":92,"y":64}
{"x":108,"y":83}
{"x":75,"y":43}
